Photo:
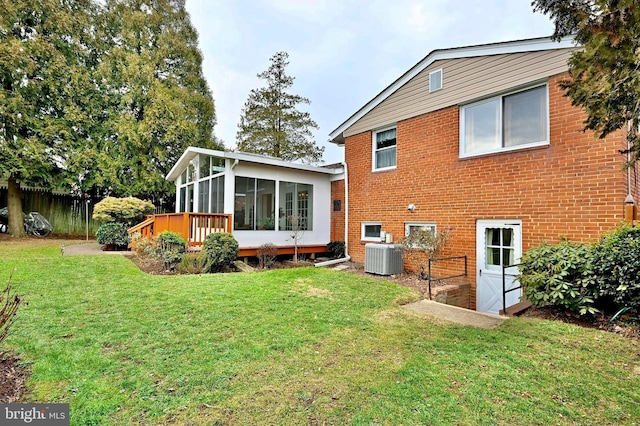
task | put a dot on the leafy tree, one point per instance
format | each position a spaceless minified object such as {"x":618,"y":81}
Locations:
{"x":44,"y":52}
{"x":604,"y":74}
{"x":270,"y":123}
{"x":157,"y":99}
{"x":99,"y":96}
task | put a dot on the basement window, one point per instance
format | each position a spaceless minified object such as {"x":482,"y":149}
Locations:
{"x":371,"y":231}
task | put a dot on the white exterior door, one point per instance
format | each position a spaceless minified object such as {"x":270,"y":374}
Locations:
{"x":499,"y":242}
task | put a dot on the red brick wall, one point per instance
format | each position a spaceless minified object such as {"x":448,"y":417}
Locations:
{"x":575,"y":186}
{"x":337,"y":217}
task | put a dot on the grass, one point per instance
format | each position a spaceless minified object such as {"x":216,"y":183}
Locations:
{"x":306,"y":346}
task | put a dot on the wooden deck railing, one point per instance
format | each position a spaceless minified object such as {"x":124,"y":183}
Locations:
{"x":193,"y":227}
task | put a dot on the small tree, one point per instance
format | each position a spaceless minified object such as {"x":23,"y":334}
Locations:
{"x":298,"y":226}
{"x":424,"y":244}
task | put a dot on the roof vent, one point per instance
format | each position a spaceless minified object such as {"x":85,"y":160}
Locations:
{"x":435,"y":80}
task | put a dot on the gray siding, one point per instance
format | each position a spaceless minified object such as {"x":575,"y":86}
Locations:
{"x":464,"y":80}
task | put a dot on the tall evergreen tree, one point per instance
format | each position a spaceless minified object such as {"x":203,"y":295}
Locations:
{"x":604,"y":73}
{"x":45,"y":49}
{"x":270,"y":123}
{"x":158,"y":101}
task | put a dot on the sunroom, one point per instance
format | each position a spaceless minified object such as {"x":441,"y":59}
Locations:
{"x":258,"y":199}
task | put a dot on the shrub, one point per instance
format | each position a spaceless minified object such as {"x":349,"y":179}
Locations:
{"x":220,"y":249}
{"x":127,"y":210}
{"x":616,"y":266}
{"x":336,"y":249}
{"x":193,"y":263}
{"x":267,"y":254}
{"x":559,"y":275}
{"x":170,"y":247}
{"x":139,"y":244}
{"x":113,"y":234}
{"x":10,"y":303}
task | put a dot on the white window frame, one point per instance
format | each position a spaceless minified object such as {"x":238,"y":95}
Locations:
{"x":362,"y":228}
{"x":374,"y":150}
{"x":440,"y":84}
{"x":462,"y":152}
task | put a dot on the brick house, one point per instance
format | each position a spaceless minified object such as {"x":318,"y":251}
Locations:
{"x":481,"y":140}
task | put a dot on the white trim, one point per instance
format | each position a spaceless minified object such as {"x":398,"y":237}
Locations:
{"x":374,"y":150}
{"x":191,"y":152}
{"x":519,"y":46}
{"x":441,"y":84}
{"x":363,"y":225}
{"x":499,"y":97}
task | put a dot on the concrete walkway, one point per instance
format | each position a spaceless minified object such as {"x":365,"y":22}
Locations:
{"x":455,"y":314}
{"x":92,"y":248}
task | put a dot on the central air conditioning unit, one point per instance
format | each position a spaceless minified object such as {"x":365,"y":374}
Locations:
{"x":383,"y":259}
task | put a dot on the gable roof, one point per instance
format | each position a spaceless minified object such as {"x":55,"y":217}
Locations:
{"x":518,"y":46}
{"x":191,"y":152}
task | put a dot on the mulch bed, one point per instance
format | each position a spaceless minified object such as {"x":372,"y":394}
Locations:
{"x":13,"y":376}
{"x":623,"y":326}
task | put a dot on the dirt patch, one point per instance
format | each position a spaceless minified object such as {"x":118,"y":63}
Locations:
{"x":13,"y":376}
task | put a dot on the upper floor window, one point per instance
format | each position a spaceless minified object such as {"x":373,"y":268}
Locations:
{"x":384,"y":148}
{"x":506,"y":122}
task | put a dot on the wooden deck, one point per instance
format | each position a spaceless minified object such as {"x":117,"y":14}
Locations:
{"x":193,"y":227}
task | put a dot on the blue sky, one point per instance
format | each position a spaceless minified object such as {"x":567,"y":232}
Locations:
{"x":341,"y":53}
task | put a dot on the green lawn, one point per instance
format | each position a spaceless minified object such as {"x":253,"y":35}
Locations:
{"x":305,"y":346}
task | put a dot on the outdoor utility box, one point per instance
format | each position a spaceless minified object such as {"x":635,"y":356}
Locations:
{"x":383,"y":259}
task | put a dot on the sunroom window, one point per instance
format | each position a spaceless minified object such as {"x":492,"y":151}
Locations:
{"x":503,"y":123}
{"x":384,"y":148}
{"x":254,"y":207}
{"x":296,"y":206}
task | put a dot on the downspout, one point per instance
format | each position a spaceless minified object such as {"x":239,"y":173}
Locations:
{"x":629,"y":202}
{"x":346,"y":257}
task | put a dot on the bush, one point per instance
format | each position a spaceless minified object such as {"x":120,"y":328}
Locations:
{"x":267,"y":254}
{"x":113,"y":234}
{"x":10,"y":302}
{"x":336,"y":249}
{"x":220,"y":249}
{"x":170,"y":247}
{"x":559,"y":275}
{"x":616,"y":267}
{"x":193,"y":263}
{"x":128,"y":210}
